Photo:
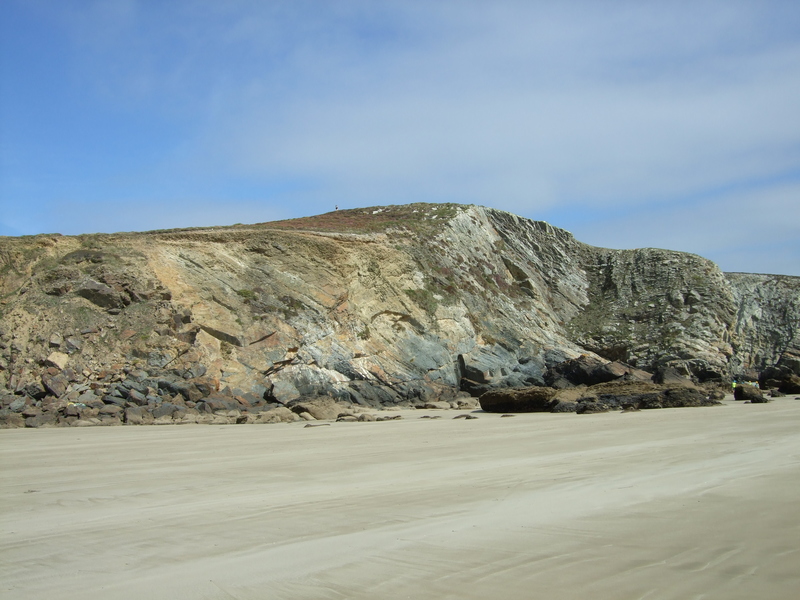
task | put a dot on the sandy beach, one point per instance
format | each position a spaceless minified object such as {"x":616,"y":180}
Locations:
{"x":663,"y":504}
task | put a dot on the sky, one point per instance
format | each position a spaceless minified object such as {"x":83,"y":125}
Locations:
{"x":665,"y":124}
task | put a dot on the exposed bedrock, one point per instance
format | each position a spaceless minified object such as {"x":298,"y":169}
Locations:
{"x":372,"y":307}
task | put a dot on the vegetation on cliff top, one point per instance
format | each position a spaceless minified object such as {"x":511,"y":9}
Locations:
{"x":415,"y":218}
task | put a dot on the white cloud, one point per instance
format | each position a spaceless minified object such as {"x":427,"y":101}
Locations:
{"x":527,"y":106}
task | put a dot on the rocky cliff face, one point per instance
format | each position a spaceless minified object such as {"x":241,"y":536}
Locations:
{"x":765,"y":329}
{"x":376,"y":306}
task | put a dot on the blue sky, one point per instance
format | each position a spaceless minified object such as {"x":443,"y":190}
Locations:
{"x":631,"y":124}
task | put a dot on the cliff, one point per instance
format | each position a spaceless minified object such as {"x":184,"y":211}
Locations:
{"x":375,"y":306}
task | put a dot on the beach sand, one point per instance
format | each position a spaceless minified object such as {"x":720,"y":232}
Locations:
{"x":676,"y":503}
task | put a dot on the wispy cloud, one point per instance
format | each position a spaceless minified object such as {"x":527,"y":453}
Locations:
{"x":660,"y":111}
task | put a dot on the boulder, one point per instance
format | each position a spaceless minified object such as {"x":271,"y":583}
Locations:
{"x":18,"y":405}
{"x":437,"y":405}
{"x":164,"y":409}
{"x":781,"y":377}
{"x":745,"y":391}
{"x":280,"y":414}
{"x":615,"y":370}
{"x":790,"y":384}
{"x":58,"y":360}
{"x":644,"y":395}
{"x":136,"y":397}
{"x":587,"y":370}
{"x":109,"y":399}
{"x":510,"y":400}
{"x":322,"y":409}
{"x":591,"y":405}
{"x":101,"y":295}
{"x":677,"y":397}
{"x":133,"y":415}
{"x":11,"y":420}
{"x":44,"y":419}
{"x":564,"y":406}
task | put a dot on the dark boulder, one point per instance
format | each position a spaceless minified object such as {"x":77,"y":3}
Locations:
{"x":628,"y":395}
{"x":44,"y":419}
{"x":678,"y":397}
{"x":745,"y":391}
{"x":586,"y":370}
{"x":137,"y":398}
{"x":35,"y":390}
{"x":133,"y":415}
{"x":617,"y":370}
{"x":111,"y":409}
{"x":11,"y":420}
{"x":164,"y":409}
{"x":55,"y":384}
{"x":781,"y":377}
{"x":577,"y":371}
{"x":564,"y":406}
{"x":187,"y":389}
{"x":101,"y":295}
{"x":114,"y":400}
{"x":790,"y":385}
{"x":218,"y":402}
{"x":516,"y":400}
{"x":716,"y":394}
{"x":591,"y":405}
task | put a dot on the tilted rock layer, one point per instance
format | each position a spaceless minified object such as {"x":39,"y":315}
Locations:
{"x":375,"y":306}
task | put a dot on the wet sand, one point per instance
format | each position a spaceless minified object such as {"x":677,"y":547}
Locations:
{"x":676,"y":503}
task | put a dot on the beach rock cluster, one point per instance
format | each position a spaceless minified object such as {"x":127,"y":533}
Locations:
{"x":388,"y":306}
{"x":590,"y":385}
{"x":594,"y":399}
{"x":133,"y":397}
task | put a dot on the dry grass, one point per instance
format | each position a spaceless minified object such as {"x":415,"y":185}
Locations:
{"x":411,"y":217}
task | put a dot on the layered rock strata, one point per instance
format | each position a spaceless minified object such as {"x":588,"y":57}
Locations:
{"x":371,"y":307}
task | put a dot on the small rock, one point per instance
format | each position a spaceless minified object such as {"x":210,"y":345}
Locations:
{"x":58,"y":360}
{"x":437,"y":405}
{"x":56,"y":340}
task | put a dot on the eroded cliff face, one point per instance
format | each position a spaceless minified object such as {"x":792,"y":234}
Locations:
{"x":765,"y":329}
{"x":374,"y":306}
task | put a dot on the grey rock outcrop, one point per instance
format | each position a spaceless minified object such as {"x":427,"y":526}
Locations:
{"x":370,"y":307}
